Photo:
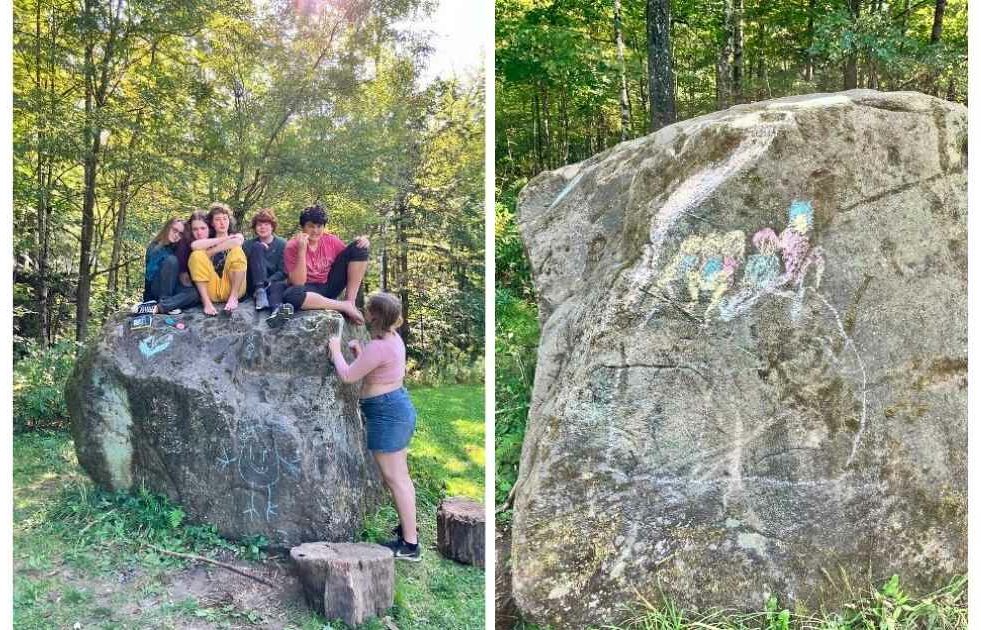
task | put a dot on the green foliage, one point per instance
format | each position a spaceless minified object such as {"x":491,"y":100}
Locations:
{"x":65,"y":526}
{"x":516,"y":343}
{"x":39,"y":384}
{"x":558,"y":77}
{"x":888,"y":607}
{"x":516,"y":346}
{"x":88,"y":515}
{"x":257,"y":104}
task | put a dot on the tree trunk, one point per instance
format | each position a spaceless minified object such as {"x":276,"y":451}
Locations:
{"x":384,"y":254}
{"x":537,"y":130}
{"x":723,"y":65}
{"x":851,"y":62}
{"x":938,"y":21}
{"x":935,"y":33}
{"x":809,"y":66}
{"x":402,"y":264}
{"x":96,"y":93}
{"x":565,"y":126}
{"x":642,"y":90}
{"x":660,"y":74}
{"x":547,"y":131}
{"x":92,"y":140}
{"x":624,"y":99}
{"x":737,"y":51}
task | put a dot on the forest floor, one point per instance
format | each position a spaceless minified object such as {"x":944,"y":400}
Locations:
{"x":82,"y":557}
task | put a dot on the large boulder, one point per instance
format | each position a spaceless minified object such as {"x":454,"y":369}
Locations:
{"x":752,"y":371}
{"x":245,"y":427}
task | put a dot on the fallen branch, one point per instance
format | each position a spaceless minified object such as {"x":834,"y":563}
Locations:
{"x":191,"y":556}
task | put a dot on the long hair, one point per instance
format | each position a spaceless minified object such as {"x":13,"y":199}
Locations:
{"x":163,"y":236}
{"x":197,"y":215}
{"x":386,"y":312}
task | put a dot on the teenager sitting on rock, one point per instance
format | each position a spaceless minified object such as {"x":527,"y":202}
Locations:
{"x":217,"y":264}
{"x":266,"y":277}
{"x":164,"y":292}
{"x":389,"y":416}
{"x":320,"y":266}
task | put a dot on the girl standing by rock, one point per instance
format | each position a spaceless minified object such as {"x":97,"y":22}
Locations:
{"x":389,"y":415}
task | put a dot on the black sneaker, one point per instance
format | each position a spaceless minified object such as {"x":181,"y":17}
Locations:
{"x":405,"y":551}
{"x":262,"y":300}
{"x":280,"y":315}
{"x":144,"y":308}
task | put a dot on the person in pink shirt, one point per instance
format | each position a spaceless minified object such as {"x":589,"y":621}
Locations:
{"x":389,"y":416}
{"x":319,"y":267}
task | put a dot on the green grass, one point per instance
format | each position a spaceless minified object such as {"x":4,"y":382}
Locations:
{"x":887,"y":608}
{"x":81,"y":555}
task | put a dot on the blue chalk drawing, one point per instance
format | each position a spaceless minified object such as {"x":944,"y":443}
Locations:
{"x":802,"y":210}
{"x":264,"y":455}
{"x":761,"y":270}
{"x":155,"y":344}
{"x":711,"y":268}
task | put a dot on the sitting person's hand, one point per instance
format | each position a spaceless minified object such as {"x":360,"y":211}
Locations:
{"x":355,"y":346}
{"x":362,"y":242}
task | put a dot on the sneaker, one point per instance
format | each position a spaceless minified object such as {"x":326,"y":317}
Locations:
{"x":144,"y":308}
{"x":174,"y":311}
{"x":405,"y":551}
{"x":280,"y":315}
{"x":261,"y":300}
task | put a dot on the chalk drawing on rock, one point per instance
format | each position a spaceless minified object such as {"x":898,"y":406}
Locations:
{"x":265,"y":454}
{"x":693,"y":192}
{"x":155,"y":344}
{"x":704,"y":272}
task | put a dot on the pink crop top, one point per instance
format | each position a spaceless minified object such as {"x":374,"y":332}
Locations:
{"x":380,"y":361}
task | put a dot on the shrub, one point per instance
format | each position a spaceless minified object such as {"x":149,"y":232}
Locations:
{"x":39,"y":385}
{"x":516,"y":349}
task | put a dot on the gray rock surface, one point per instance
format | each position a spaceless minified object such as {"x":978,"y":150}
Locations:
{"x":245,"y":427}
{"x":753,"y":364}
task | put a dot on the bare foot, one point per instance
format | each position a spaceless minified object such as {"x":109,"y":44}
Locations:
{"x":232,"y":303}
{"x":351,"y":312}
{"x":209,"y":309}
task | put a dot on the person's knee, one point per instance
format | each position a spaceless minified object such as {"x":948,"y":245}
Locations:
{"x":199,"y":266}
{"x":294,"y":296}
{"x":236,"y":260}
{"x":357,"y":254}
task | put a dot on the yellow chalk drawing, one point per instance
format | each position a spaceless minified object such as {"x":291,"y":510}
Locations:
{"x":706,"y":266}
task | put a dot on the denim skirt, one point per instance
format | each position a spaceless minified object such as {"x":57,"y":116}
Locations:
{"x":390,"y":420}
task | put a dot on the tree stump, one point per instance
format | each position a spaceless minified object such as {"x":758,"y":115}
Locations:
{"x":348,"y":581}
{"x":460,"y":530}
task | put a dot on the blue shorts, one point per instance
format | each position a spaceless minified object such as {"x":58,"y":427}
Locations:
{"x":390,"y":420}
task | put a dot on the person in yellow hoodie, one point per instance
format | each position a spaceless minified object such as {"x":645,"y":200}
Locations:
{"x":217,"y":264}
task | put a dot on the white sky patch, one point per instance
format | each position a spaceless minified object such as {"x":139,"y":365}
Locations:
{"x":456,"y":31}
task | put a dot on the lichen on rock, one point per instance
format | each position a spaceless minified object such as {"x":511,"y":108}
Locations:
{"x":245,"y":427}
{"x":742,"y":385}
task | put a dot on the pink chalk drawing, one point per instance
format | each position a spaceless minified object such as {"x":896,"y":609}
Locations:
{"x":785,"y":267}
{"x":704,"y":268}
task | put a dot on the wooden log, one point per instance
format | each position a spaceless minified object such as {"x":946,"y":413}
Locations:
{"x":348,"y":581}
{"x":460,"y":530}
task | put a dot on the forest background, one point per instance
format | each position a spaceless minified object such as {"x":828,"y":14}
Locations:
{"x":575,"y":77}
{"x":126,"y":113}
